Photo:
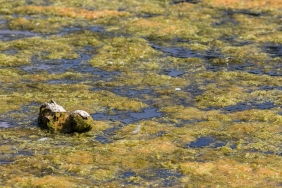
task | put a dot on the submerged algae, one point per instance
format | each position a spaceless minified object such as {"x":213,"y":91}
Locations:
{"x":235,"y":68}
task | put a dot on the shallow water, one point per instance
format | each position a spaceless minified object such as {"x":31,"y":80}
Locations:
{"x":182,"y":93}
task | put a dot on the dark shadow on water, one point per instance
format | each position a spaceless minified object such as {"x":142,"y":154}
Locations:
{"x":244,"y":11}
{"x":274,"y":50}
{"x":212,"y":53}
{"x":270,"y":88}
{"x":183,"y":1}
{"x":225,"y":21}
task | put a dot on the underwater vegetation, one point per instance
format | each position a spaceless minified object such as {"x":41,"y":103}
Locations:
{"x":181,"y":93}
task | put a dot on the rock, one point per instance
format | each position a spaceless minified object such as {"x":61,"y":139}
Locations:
{"x":56,"y":119}
{"x":52,"y":116}
{"x":53,"y":106}
{"x":81,"y":121}
{"x":82,"y":113}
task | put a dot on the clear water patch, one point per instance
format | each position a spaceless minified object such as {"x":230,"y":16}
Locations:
{"x":169,"y":177}
{"x":9,"y":156}
{"x":174,"y":73}
{"x":8,"y":35}
{"x":70,"y":30}
{"x":129,"y":117}
{"x":131,"y":92}
{"x":177,"y":51}
{"x":250,"y":105}
{"x":126,"y":118}
{"x":26,"y":115}
{"x":108,"y":135}
{"x":60,"y":65}
{"x":4,"y":124}
{"x":274,"y":50}
{"x":206,"y":141}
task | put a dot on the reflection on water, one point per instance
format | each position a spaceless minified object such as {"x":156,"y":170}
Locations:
{"x":4,"y":124}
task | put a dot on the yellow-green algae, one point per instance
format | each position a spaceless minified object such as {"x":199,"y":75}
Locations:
{"x":239,"y":30}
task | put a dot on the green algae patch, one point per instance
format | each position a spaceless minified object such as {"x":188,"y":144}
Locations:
{"x":245,"y":4}
{"x":121,"y":53}
{"x":7,"y":73}
{"x":82,"y":97}
{"x":51,"y":47}
{"x":46,"y":181}
{"x":231,"y":172}
{"x":162,"y":28}
{"x":227,"y":93}
{"x":69,"y":12}
{"x":15,"y":60}
{"x":215,"y":97}
{"x":39,"y":25}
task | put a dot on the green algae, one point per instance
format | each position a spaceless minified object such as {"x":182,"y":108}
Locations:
{"x":120,"y":53}
{"x":199,"y":103}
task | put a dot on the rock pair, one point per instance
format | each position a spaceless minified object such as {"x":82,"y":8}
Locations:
{"x":55,"y":118}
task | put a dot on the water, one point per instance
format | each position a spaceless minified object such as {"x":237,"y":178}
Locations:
{"x":4,"y":124}
{"x":129,"y":117}
{"x":228,"y":96}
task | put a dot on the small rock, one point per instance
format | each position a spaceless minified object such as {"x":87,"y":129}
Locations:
{"x":81,"y":121}
{"x":82,"y":113}
{"x":43,"y":139}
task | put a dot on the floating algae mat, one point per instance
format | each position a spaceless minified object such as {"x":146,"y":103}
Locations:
{"x":182,"y":93}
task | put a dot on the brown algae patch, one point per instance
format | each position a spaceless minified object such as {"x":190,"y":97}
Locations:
{"x":245,"y":4}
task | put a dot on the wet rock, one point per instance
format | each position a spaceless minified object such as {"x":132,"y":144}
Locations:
{"x":81,"y":121}
{"x":52,"y":116}
{"x":56,"y":119}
